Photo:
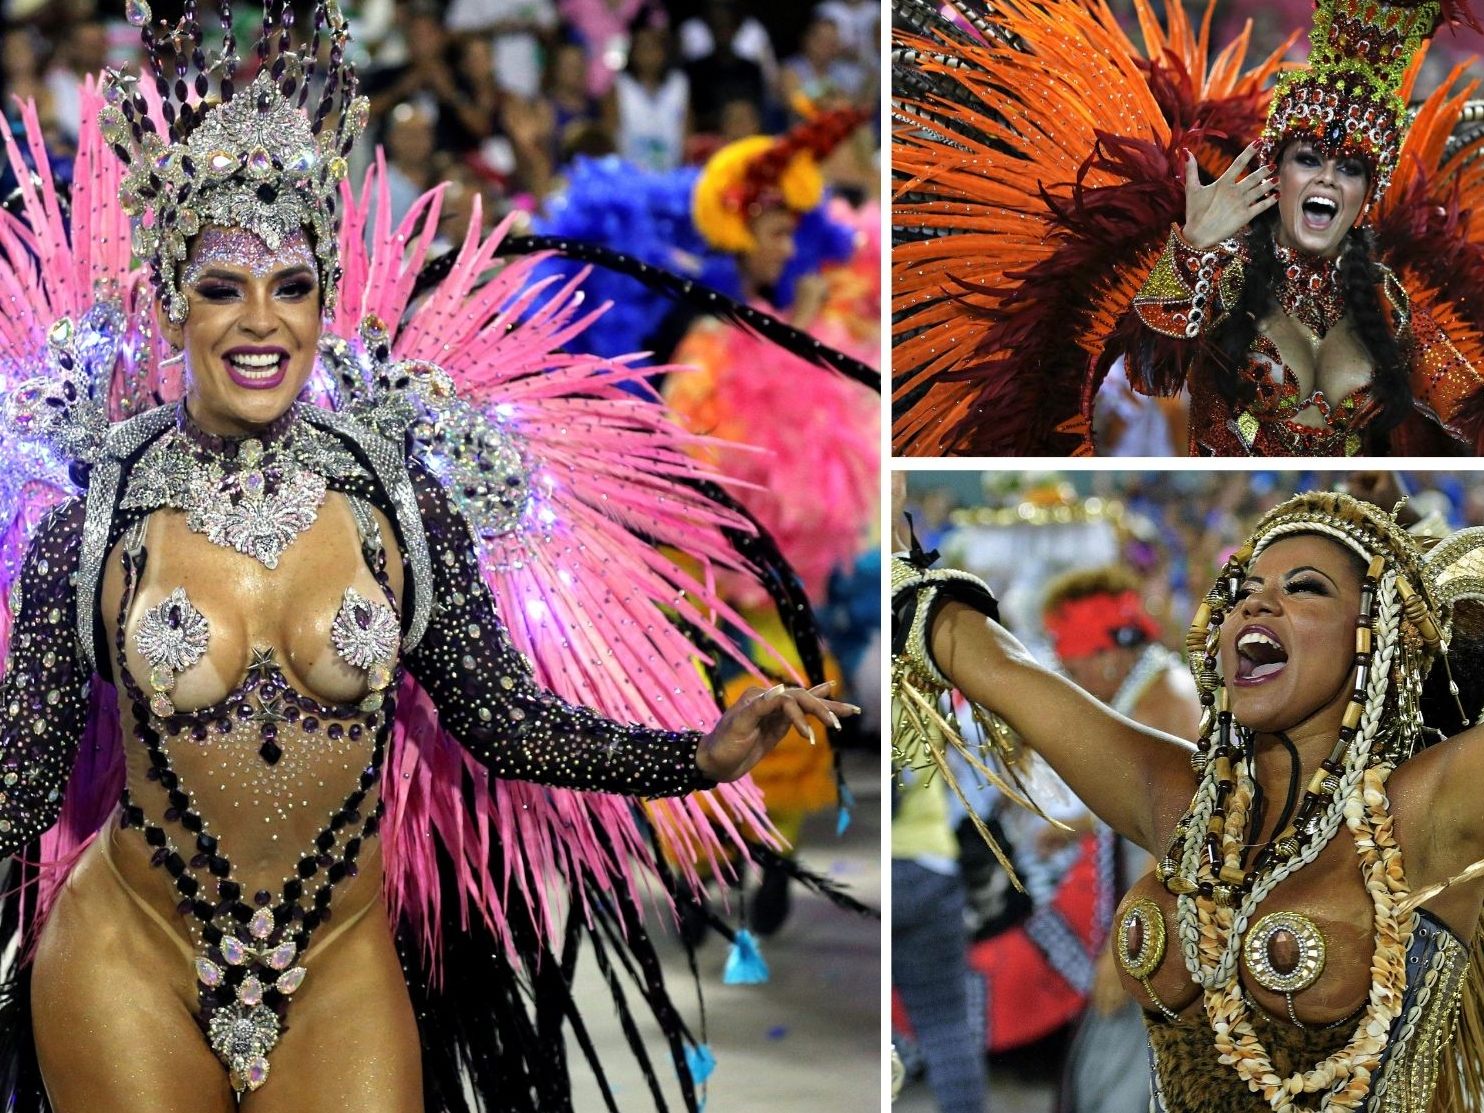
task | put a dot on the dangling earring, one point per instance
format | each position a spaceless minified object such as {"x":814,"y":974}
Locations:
{"x":177,"y":358}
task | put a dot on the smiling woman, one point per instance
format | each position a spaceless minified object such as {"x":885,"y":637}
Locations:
{"x":240,"y":291}
{"x":276,"y":680}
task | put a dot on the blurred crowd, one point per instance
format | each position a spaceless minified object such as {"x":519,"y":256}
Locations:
{"x":1044,"y":1005}
{"x":498,"y":96}
{"x":1174,"y":529}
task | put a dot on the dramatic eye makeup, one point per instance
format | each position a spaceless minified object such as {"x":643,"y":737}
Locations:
{"x":1303,"y":579}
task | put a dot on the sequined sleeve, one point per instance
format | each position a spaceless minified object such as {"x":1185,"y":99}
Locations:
{"x":488,"y":698}
{"x":1190,"y":290}
{"x":44,"y":692}
{"x":1444,"y":383}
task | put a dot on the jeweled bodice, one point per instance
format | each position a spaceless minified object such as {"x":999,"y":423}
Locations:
{"x":256,"y":804}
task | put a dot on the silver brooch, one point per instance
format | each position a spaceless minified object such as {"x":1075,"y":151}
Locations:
{"x":171,"y":637}
{"x":242,"y":1035}
{"x":365,"y":633}
{"x":257,"y":503}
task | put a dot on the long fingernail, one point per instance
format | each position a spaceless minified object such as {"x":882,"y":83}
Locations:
{"x":835,"y":721}
{"x":809,"y":734}
{"x":854,"y":708}
{"x":776,"y":690}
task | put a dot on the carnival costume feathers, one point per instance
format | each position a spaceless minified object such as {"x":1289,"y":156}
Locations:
{"x":576,"y":484}
{"x":1038,"y":163}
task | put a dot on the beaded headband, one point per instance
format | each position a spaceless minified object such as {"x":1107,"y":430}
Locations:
{"x":253,"y":157}
{"x":1346,"y":100}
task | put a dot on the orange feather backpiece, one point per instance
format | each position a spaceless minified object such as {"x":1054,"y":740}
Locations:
{"x":1036,"y":170}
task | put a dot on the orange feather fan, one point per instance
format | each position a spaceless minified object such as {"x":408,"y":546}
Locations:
{"x":1037,"y":170}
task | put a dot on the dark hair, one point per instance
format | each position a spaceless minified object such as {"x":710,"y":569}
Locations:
{"x":1390,"y":380}
{"x":1465,"y":664}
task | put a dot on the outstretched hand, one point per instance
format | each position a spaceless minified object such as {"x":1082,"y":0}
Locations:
{"x":1220,"y":210}
{"x":759,"y":720}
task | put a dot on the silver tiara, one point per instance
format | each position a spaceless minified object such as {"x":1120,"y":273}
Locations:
{"x":254,"y":157}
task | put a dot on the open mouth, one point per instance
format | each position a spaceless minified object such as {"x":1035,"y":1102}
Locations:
{"x":1320,"y":213}
{"x":1260,"y":655}
{"x":260,"y":369}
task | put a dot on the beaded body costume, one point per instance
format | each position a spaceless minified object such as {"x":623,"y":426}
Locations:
{"x":528,"y":493}
{"x":1039,"y":161}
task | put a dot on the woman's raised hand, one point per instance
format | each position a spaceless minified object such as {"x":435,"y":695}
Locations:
{"x":1222,"y":209}
{"x":759,"y":720}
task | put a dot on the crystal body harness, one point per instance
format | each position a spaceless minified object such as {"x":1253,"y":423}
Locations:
{"x":284,"y":782}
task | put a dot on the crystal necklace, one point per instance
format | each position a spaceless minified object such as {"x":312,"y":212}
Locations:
{"x":255,"y":495}
{"x":1309,"y":289}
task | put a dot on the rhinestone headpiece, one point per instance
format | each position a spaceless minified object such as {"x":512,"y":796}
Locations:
{"x":1346,"y":100}
{"x":253,"y":157}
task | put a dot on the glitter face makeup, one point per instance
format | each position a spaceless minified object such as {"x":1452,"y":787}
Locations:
{"x":253,"y":330}
{"x":241,"y":247}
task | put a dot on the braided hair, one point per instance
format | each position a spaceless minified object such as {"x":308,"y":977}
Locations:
{"x":1360,"y":278}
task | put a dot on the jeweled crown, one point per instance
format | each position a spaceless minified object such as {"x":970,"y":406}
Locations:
{"x":1346,"y":100}
{"x":208,"y":152}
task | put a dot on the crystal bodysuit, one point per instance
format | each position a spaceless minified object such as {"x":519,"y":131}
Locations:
{"x":259,"y":806}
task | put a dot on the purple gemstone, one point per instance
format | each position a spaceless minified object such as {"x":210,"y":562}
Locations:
{"x":355,"y":732}
{"x":363,"y":617}
{"x":198,"y":861}
{"x":159,"y":856}
{"x":172,"y":814}
{"x":184,"y":908}
{"x":174,"y":617}
{"x":262,"y":897}
{"x":311,"y":725}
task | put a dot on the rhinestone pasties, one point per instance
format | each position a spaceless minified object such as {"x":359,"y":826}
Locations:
{"x":171,"y":637}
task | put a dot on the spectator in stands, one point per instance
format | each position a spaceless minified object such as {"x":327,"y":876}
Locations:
{"x":82,"y":52}
{"x":568,"y":109}
{"x":22,"y":58}
{"x":738,"y":119}
{"x":719,"y":72}
{"x":859,"y":23}
{"x":448,"y":80}
{"x":648,"y":111}
{"x":601,"y":29}
{"x":517,"y":31}
{"x":821,"y":73}
{"x":722,"y":24}
{"x":411,"y":142}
